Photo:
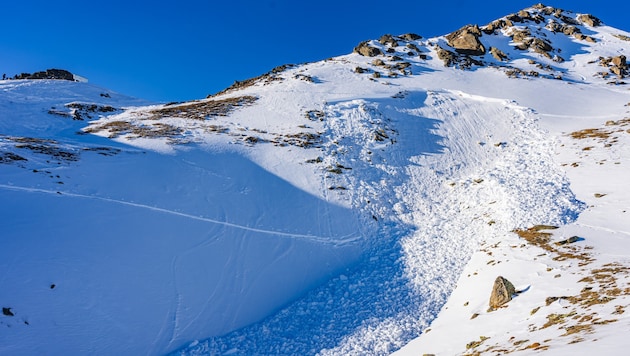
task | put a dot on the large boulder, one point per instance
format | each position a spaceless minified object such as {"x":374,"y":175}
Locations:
{"x":502,"y":292}
{"x":466,"y":41}
{"x":620,"y":61}
{"x":366,"y":50}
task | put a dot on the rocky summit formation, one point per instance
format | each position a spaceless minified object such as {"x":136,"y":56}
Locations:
{"x":466,"y":41}
{"x":60,"y":74}
{"x":533,"y":34}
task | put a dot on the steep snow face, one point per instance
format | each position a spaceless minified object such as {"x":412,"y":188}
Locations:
{"x":323,"y":208}
{"x":112,"y":249}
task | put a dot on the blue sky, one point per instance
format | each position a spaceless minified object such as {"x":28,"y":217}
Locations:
{"x":187,"y":49}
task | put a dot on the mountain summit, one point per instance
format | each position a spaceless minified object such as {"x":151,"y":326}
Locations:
{"x":336,"y":207}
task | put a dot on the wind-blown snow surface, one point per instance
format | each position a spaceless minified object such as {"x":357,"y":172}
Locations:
{"x":320,"y":210}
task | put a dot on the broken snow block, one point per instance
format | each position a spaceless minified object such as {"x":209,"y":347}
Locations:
{"x":502,"y":292}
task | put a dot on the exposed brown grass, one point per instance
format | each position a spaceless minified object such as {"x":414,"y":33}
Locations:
{"x":601,"y":286}
{"x":119,"y":128}
{"x":202,"y":110}
{"x":538,"y":236}
{"x":607,"y":135}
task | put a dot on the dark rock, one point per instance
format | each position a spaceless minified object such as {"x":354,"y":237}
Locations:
{"x":7,"y":312}
{"x":502,"y":292}
{"x":513,"y":18}
{"x":48,"y":74}
{"x":413,"y":46}
{"x":8,"y":157}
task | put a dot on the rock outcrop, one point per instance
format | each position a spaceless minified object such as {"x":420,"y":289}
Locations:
{"x":589,"y":20}
{"x":617,"y":65}
{"x":466,"y":41}
{"x":60,"y":74}
{"x":366,"y":50}
{"x":498,"y":54}
{"x":502,"y":292}
{"x":388,"y":40}
{"x":410,"y":37}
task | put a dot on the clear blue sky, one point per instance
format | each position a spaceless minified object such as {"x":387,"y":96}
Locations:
{"x":187,"y":49}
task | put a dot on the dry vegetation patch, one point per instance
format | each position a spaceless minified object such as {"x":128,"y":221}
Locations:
{"x":202,"y":110}
{"x":46,"y":147}
{"x":608,"y":135}
{"x":601,"y":286}
{"x":119,"y":128}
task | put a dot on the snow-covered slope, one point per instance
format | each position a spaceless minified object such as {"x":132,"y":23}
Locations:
{"x":330,"y":207}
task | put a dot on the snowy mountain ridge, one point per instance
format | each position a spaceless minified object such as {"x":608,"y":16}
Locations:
{"x":327,"y":208}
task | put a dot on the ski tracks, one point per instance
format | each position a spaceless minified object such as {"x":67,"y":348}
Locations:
{"x":330,"y":240}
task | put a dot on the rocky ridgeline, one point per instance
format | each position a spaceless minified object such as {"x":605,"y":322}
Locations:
{"x":528,"y":30}
{"x":59,"y":74}
{"x":393,"y":52}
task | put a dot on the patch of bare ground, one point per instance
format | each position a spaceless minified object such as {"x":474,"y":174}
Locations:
{"x":203,"y":110}
{"x":47,"y":147}
{"x":607,"y":135}
{"x":119,"y":128}
{"x":601,"y":286}
{"x":581,"y":313}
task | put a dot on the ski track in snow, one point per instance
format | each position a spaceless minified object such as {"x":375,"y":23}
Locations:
{"x":343,"y":240}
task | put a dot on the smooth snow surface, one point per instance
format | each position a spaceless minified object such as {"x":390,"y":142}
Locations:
{"x":322,"y":210}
